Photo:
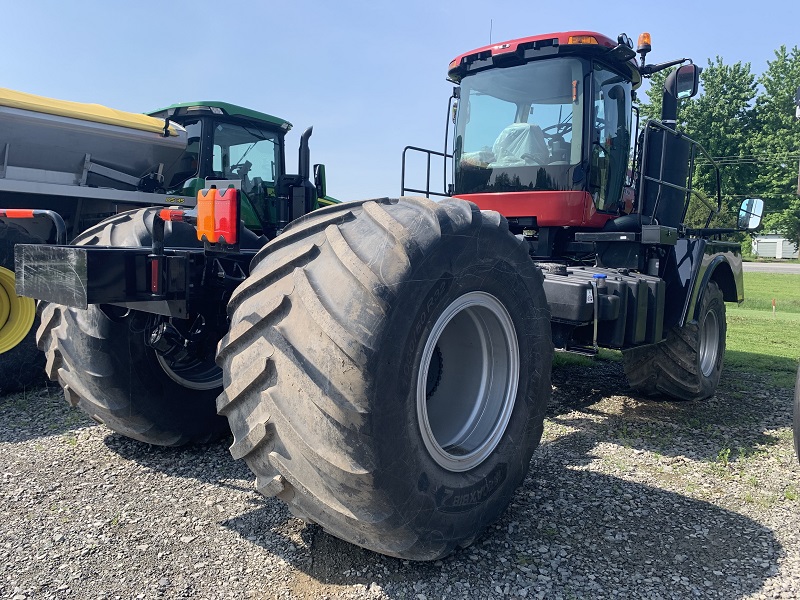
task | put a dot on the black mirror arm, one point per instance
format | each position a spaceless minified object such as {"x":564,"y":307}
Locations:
{"x":648,"y":70}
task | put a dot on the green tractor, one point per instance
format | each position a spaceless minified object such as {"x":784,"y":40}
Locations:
{"x":87,"y":163}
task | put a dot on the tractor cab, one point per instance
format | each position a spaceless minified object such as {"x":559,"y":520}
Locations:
{"x":543,"y":129}
{"x":228,"y":143}
{"x":544,"y":135}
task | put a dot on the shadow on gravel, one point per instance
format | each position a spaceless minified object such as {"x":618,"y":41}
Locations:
{"x":38,"y":412}
{"x":731,"y":422}
{"x":571,"y":531}
{"x":208,"y":463}
{"x":567,"y":531}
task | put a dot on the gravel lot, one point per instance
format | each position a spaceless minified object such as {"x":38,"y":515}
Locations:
{"x":626,"y":498}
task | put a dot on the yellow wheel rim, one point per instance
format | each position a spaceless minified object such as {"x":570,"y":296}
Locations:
{"x":16,"y":313}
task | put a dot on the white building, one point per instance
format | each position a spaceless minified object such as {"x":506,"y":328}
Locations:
{"x":773,"y":245}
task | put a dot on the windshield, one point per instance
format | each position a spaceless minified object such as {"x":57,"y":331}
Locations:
{"x":252,"y":155}
{"x":246,"y":152}
{"x":515,"y":129}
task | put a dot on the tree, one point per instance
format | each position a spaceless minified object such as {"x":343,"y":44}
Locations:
{"x":776,"y":144}
{"x":652,"y":108}
{"x":721,"y":120}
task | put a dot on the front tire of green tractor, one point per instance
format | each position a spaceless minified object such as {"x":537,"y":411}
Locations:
{"x":102,"y":360}
{"x":387,"y":371}
{"x":21,"y":363}
{"x":688,"y":364}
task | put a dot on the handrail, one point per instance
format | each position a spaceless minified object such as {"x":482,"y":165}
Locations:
{"x":427,"y":191}
{"x":445,"y":189}
{"x":27,"y":213}
{"x":688,"y":189}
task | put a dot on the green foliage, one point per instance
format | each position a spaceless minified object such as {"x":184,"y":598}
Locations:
{"x":784,"y":217}
{"x":652,"y":108}
{"x":776,"y":143}
{"x":721,"y":121}
{"x":751,"y":133}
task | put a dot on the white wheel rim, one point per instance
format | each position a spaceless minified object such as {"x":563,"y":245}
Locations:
{"x":467,"y":381}
{"x":709,"y":344}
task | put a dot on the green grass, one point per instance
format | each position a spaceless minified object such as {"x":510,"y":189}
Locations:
{"x":761,"y":288}
{"x":790,"y":493}
{"x":757,"y":339}
{"x":561,"y":359}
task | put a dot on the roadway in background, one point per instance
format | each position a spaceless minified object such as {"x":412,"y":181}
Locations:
{"x":772,"y":267}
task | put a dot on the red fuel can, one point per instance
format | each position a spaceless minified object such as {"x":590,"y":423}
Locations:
{"x":226,"y":215}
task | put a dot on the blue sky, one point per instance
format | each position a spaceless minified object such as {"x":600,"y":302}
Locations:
{"x":369,"y":76}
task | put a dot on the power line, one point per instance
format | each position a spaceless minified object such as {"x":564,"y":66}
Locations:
{"x":786,"y":161}
{"x":776,"y":156}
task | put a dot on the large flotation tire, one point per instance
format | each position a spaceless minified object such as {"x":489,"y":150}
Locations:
{"x":387,"y":371}
{"x":102,"y":360}
{"x":687,"y":365}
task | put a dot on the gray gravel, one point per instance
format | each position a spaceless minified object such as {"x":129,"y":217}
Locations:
{"x":626,"y":498}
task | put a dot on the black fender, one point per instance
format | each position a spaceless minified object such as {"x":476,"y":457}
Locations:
{"x":689,"y":265}
{"x":720,"y":262}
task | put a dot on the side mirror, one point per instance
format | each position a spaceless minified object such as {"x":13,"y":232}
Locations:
{"x":750,"y":214}
{"x":683,"y":82}
{"x":319,"y":181}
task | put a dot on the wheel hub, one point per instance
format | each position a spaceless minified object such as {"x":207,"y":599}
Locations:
{"x":182,"y":359}
{"x":17,"y":313}
{"x":709,"y":343}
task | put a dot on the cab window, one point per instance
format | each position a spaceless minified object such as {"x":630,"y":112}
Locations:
{"x":186,"y":167}
{"x":610,"y":137}
{"x":248,"y":153}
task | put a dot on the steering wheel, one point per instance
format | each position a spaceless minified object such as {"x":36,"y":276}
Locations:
{"x":559,"y":129}
{"x":245,"y":167}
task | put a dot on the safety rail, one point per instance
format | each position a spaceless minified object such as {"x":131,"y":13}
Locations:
{"x":27,"y":213}
{"x":427,"y":191}
{"x":661,"y":182}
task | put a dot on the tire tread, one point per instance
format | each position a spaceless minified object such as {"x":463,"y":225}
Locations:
{"x":671,"y":367}
{"x":318,"y":455}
